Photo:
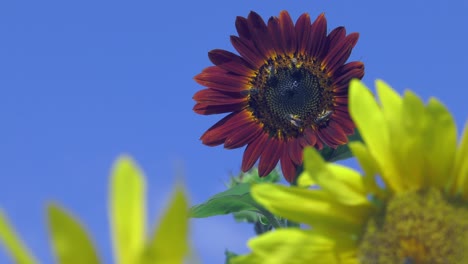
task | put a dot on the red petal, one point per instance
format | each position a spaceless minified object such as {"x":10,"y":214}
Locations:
{"x":230,"y":62}
{"x":310,"y":136}
{"x":214,"y":97}
{"x":275,"y":33}
{"x":343,"y":114}
{"x":318,"y":145}
{"x":302,"y":142}
{"x":336,"y":36}
{"x":338,"y":55}
{"x":238,"y":68}
{"x":243,"y":135}
{"x":341,"y":99}
{"x":219,"y":56}
{"x":332,"y":136}
{"x":248,"y":51}
{"x":336,"y":131}
{"x":217,"y":134}
{"x":340,"y":91}
{"x":288,"y":32}
{"x":351,"y":65}
{"x":253,"y":151}
{"x":341,"y":108}
{"x":220,"y":79}
{"x":349,"y":71}
{"x":295,"y":151}
{"x":206,"y":109}
{"x":302,"y":29}
{"x":288,"y":167}
{"x":270,"y":156}
{"x":346,"y":124}
{"x":242,"y":28}
{"x":318,"y":37}
{"x":260,"y":36}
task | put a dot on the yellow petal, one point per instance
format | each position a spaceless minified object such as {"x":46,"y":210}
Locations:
{"x":295,"y":246}
{"x":407,"y":147}
{"x":344,"y":184}
{"x":460,"y":171}
{"x":372,"y":125}
{"x":368,"y":164}
{"x":127,"y":204}
{"x":365,"y":159}
{"x":306,"y":180}
{"x":391,"y":102}
{"x":413,"y":110}
{"x":439,"y":144}
{"x":13,"y":244}
{"x":169,"y":243}
{"x":313,"y":207}
{"x":70,"y":241}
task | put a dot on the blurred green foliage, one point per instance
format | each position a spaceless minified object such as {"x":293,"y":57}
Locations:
{"x":127,"y":212}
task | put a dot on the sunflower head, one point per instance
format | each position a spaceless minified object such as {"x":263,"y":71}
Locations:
{"x":287,"y":89}
{"x":416,"y":213}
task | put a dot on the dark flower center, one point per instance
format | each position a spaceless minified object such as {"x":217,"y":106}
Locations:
{"x":293,"y":93}
{"x":289,"y":95}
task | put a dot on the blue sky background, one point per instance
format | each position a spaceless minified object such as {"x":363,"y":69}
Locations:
{"x":84,"y":81}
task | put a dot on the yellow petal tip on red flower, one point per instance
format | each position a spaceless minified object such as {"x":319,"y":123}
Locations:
{"x":287,"y":89}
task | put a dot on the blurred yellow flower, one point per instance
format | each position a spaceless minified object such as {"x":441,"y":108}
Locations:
{"x":71,"y":243}
{"x":410,"y":205}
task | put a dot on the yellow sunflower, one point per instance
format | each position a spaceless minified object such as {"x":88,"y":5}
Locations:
{"x":410,"y":204}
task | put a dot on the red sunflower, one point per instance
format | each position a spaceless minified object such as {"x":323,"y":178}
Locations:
{"x":287,"y":89}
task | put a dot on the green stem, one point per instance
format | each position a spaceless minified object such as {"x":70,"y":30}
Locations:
{"x":271,"y":218}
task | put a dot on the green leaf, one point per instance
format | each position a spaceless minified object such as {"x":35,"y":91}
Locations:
{"x":237,"y":199}
{"x":253,"y":177}
{"x":13,"y":244}
{"x":70,"y":241}
{"x":232,"y":200}
{"x":247,"y":216}
{"x":341,"y":152}
{"x":229,"y":255}
{"x":169,"y":243}
{"x":127,"y":211}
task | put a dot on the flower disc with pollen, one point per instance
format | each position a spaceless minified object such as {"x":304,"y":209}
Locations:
{"x":288,"y":89}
